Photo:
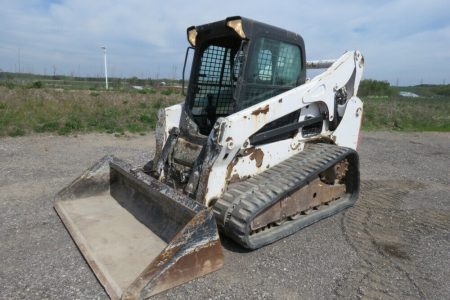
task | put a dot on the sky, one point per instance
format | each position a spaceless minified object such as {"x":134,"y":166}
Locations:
{"x":403,"y":41}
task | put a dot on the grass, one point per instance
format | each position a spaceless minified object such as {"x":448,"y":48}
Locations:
{"x":407,"y":114}
{"x":36,"y":108}
{"x":28,"y":110}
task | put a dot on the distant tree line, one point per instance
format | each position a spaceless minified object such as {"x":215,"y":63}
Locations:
{"x":441,"y":90}
{"x":370,"y":87}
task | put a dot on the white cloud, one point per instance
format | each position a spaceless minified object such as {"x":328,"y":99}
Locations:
{"x":401,"y":39}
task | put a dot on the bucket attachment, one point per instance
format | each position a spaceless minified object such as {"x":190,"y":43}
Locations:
{"x":139,"y":236}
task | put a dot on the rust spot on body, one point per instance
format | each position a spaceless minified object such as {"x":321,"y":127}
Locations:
{"x":230,"y":168}
{"x":256,"y":154}
{"x":261,"y":110}
{"x":234,"y":178}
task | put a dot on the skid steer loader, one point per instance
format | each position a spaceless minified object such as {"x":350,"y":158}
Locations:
{"x":256,"y":151}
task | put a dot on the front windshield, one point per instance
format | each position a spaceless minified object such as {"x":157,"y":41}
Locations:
{"x":214,"y":82}
{"x":212,"y":89}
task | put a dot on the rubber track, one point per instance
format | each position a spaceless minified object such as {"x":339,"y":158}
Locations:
{"x":243,"y":201}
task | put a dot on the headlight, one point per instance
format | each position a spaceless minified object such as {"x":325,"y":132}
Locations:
{"x":192,"y":35}
{"x":236,"y":25}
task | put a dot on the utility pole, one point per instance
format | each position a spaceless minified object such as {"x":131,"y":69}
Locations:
{"x":106,"y":69}
{"x":18,"y":55}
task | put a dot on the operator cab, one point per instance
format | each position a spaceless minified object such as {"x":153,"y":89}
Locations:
{"x":237,"y":63}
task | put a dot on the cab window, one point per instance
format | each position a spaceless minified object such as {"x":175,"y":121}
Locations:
{"x":274,"y":68}
{"x":275,"y":63}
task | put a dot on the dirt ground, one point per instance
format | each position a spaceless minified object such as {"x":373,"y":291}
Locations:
{"x":395,"y":243}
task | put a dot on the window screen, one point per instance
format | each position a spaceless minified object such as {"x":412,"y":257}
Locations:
{"x":214,"y":82}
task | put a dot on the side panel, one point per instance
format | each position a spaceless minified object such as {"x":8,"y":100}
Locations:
{"x":256,"y":160}
{"x":233,"y":131}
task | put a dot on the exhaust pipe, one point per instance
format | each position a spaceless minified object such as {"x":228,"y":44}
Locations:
{"x":138,"y":235}
{"x":320,"y":64}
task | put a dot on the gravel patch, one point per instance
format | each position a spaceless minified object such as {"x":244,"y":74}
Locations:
{"x":394,"y":243}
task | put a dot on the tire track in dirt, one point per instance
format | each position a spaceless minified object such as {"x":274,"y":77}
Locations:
{"x":385,"y":236}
